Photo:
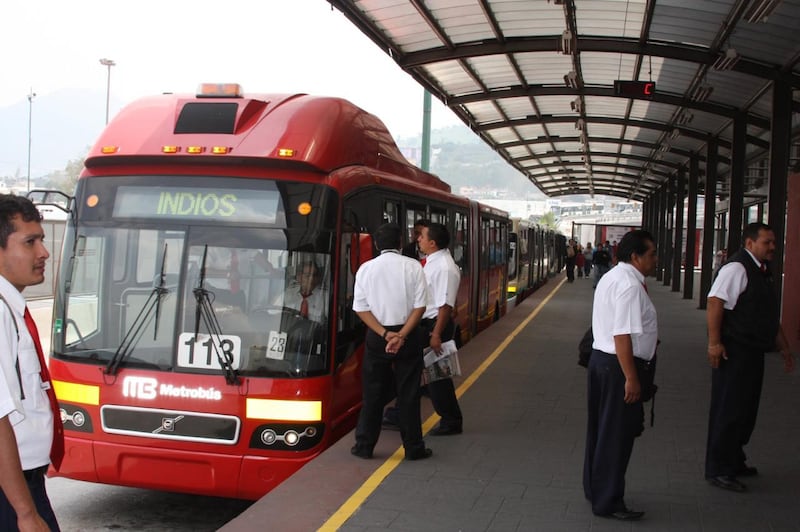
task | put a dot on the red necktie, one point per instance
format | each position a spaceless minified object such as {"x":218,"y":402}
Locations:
{"x":57,"y":448}
{"x":304,"y":306}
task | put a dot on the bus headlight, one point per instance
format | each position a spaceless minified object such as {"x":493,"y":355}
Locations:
{"x":287,"y":436}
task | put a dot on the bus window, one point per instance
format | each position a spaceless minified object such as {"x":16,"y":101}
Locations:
{"x":391,"y":212}
{"x":461,"y":242}
{"x":438,"y":216}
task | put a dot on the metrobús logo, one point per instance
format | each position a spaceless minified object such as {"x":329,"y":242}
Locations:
{"x":149,"y":388}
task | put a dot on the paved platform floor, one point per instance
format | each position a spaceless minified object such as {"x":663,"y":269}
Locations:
{"x":518,"y":464}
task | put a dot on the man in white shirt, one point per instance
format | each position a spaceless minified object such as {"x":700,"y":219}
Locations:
{"x":306,"y":295}
{"x":442,"y":276}
{"x":743,"y":319}
{"x":390,"y":296}
{"x":26,"y":415}
{"x":625,"y":327}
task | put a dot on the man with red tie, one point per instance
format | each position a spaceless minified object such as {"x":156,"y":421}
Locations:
{"x":743,"y":319}
{"x":305,"y":295}
{"x":31,"y":436}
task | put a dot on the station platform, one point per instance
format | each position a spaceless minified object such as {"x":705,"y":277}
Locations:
{"x":518,"y":464}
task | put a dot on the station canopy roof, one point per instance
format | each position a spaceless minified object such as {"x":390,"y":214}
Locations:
{"x":535,"y":79}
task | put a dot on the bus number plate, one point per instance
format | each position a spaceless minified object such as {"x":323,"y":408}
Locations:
{"x":200,"y":353}
{"x":277,"y":345}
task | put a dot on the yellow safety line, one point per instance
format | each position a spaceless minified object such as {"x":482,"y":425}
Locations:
{"x":357,"y":499}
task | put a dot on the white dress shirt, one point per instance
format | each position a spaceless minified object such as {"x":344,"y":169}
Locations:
{"x":622,"y":306}
{"x":390,"y":286}
{"x":442,"y":276}
{"x":731,"y":282}
{"x":31,"y":417}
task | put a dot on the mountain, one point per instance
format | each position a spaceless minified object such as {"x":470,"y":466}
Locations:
{"x":65,"y":123}
{"x":63,"y":126}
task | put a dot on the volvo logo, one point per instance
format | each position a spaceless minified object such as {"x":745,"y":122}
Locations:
{"x":167,"y":424}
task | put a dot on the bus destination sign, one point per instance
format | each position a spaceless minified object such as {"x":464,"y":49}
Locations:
{"x":634,"y":89}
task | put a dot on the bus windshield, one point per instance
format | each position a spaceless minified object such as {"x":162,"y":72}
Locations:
{"x":183,"y":295}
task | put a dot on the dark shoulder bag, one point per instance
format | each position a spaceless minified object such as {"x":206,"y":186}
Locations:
{"x":585,"y":348}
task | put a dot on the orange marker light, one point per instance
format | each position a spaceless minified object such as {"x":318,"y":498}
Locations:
{"x":220,"y":150}
{"x":220,"y":90}
{"x":170,"y":149}
{"x":304,"y":208}
{"x":92,"y":201}
{"x":285,"y":152}
{"x":109,"y":149}
{"x":195,"y":149}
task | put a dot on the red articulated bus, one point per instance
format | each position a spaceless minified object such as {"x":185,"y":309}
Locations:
{"x":180,"y":359}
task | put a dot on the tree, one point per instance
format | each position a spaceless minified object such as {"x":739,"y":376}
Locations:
{"x":66,"y":179}
{"x":548,"y":220}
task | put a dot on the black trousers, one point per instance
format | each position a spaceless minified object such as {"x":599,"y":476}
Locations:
{"x":382,"y":375}
{"x":612,"y":426}
{"x":443,"y":392}
{"x":735,"y":394}
{"x":35,"y":479}
{"x":570,"y":268}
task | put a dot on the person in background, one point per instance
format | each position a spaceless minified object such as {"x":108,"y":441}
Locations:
{"x":625,"y":325}
{"x":31,"y":434}
{"x":305,"y":295}
{"x":442,"y":276}
{"x":390,"y":296}
{"x":743,"y":318}
{"x":580,"y":261}
{"x":588,"y":254}
{"x":412,"y":248}
{"x":602,"y":262}
{"x":570,"y":253}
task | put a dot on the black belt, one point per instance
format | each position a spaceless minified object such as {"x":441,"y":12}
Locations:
{"x":33,"y":474}
{"x":428,"y":321}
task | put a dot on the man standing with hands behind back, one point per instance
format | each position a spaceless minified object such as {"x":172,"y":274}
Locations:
{"x":743,"y":319}
{"x":31,"y":436}
{"x":442,"y":276}
{"x":625,"y":328}
{"x":389,"y":296}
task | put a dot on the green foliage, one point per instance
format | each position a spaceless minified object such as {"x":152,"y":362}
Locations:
{"x":66,"y":179}
{"x":548,"y":220}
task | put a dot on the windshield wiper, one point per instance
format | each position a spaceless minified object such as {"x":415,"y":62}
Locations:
{"x":205,"y":311}
{"x":138,"y":326}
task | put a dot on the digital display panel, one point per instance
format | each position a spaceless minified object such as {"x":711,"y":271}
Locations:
{"x":233,"y":205}
{"x":635,"y":89}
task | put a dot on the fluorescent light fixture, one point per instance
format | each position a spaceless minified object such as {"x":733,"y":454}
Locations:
{"x":727,"y":60}
{"x":759,"y":10}
{"x":576,"y":105}
{"x":569,"y":44}
{"x":675,"y":133}
{"x":571,"y":79}
{"x":580,"y":124}
{"x":701,"y":93}
{"x":685,"y":117}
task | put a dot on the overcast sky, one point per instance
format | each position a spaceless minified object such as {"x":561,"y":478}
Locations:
{"x":172,"y":46}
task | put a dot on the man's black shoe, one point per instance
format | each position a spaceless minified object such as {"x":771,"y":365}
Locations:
{"x":438,"y":430}
{"x":421,"y":454}
{"x":626,"y":515}
{"x":746,"y":471}
{"x":360,"y":452}
{"x":727,"y":483}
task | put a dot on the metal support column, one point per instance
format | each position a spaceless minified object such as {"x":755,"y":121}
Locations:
{"x":678,"y":255}
{"x":736,"y":199}
{"x":661,"y":225}
{"x":691,"y":228}
{"x":669,"y":250}
{"x":709,"y":217}
{"x":778,"y":173}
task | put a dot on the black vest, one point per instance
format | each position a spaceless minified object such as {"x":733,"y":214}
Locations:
{"x":754,"y":322}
